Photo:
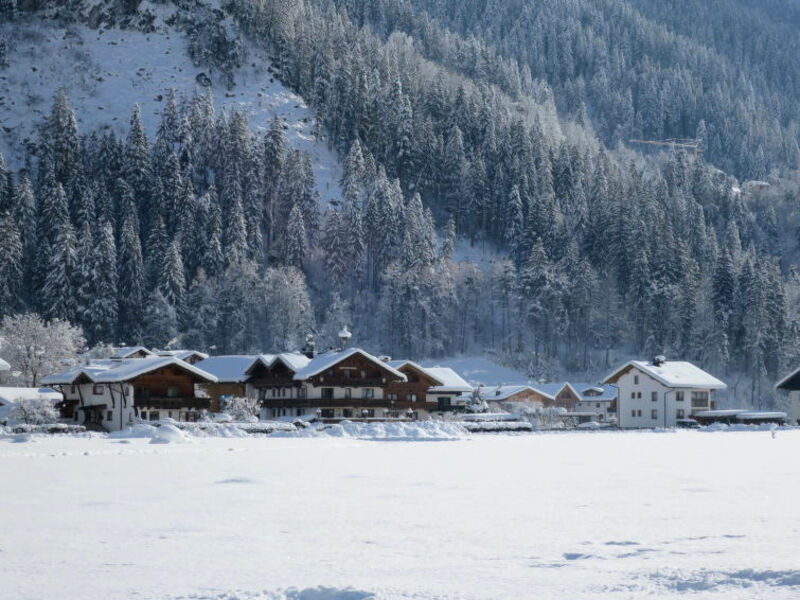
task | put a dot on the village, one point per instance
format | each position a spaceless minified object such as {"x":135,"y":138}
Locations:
{"x":136,"y":385}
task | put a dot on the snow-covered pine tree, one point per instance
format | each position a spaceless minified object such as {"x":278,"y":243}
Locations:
{"x":132,"y":282}
{"x":104,"y":309}
{"x":296,"y":239}
{"x":11,"y":266}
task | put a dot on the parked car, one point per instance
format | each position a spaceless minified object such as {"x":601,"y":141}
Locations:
{"x":687,"y":424}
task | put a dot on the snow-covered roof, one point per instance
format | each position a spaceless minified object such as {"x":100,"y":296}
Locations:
{"x":399,"y":364}
{"x":325,"y":361}
{"x":128,"y":351}
{"x":605,"y":393}
{"x":4,"y":366}
{"x":10,"y":395}
{"x":790,"y":382}
{"x":183,"y":354}
{"x":451,"y":381}
{"x":113,"y":371}
{"x":504,"y":392}
{"x":754,"y":415}
{"x":671,"y":373}
{"x":229,"y":369}
{"x":294,"y":360}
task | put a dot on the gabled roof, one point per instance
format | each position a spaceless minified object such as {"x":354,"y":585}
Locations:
{"x":325,"y":361}
{"x":451,"y":381}
{"x":229,"y":369}
{"x":183,"y":354}
{"x":504,"y":392}
{"x":128,"y":351}
{"x":293,"y":360}
{"x":114,"y":371}
{"x":4,"y":366}
{"x":399,"y":364}
{"x":790,"y":382}
{"x":671,"y":373}
{"x":605,"y":392}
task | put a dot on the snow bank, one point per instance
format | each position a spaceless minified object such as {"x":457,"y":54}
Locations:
{"x":169,"y":434}
{"x":140,"y":430}
{"x":398,"y":431}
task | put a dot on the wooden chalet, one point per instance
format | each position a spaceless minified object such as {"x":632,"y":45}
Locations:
{"x":108,"y":395}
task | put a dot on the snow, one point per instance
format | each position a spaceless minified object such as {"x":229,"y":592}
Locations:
{"x":502,"y":392}
{"x":112,"y":371}
{"x":452,"y":381}
{"x":479,"y":369}
{"x":169,"y":434}
{"x":325,"y":361}
{"x":4,"y":366}
{"x":576,"y":515}
{"x":228,"y":369}
{"x":129,"y":351}
{"x":673,"y":373}
{"x":106,"y":73}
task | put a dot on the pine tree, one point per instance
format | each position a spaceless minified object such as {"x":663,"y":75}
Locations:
{"x":11,"y":267}
{"x":132,"y":283}
{"x":104,"y":310}
{"x":172,"y":282}
{"x":296,"y":241}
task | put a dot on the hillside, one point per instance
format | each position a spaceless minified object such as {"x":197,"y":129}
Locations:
{"x":446,"y":178}
{"x":106,"y":70}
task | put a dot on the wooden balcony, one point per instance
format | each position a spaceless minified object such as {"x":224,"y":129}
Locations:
{"x":346,"y":403}
{"x":166,"y":403}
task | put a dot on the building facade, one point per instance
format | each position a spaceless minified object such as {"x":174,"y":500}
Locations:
{"x":659,"y":393}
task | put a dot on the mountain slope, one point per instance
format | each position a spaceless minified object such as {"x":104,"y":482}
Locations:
{"x":108,"y":70}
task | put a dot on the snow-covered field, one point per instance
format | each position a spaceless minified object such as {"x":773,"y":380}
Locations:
{"x":571,"y":515}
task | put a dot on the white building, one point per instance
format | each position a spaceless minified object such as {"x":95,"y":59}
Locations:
{"x":659,"y":393}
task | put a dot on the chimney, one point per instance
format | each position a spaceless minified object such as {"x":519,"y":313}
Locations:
{"x":309,"y":348}
{"x":344,"y":336}
{"x":659,"y":360}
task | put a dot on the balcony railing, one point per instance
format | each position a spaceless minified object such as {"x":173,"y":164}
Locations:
{"x":344,"y":403}
{"x":167,"y":403}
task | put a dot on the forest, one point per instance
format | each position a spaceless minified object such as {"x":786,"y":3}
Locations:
{"x":462,"y":126}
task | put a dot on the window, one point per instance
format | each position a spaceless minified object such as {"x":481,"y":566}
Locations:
{"x":363,"y":374}
{"x":679,"y":413}
{"x":678,"y":396}
{"x":597,"y":405}
{"x":633,"y":413}
{"x":411,"y":397}
{"x":639,"y":395}
{"x":73,"y":388}
{"x":392,"y":397}
{"x":367,"y":413}
{"x":169,"y":414}
{"x":639,"y":413}
{"x":109,"y":415}
{"x":154,"y":415}
{"x":347,"y":413}
{"x":367,"y":393}
{"x":327,"y":393}
{"x":654,"y":414}
{"x":348,"y":393}
{"x":326,"y":413}
{"x":443,"y":402}
{"x":633,"y":395}
{"x":143,"y":415}
{"x":97,"y":390}
{"x":699,"y":399}
{"x":301,"y":392}
{"x":173,"y":391}
{"x":299,"y":412}
{"x":654,"y":396}
{"x":635,"y":380}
